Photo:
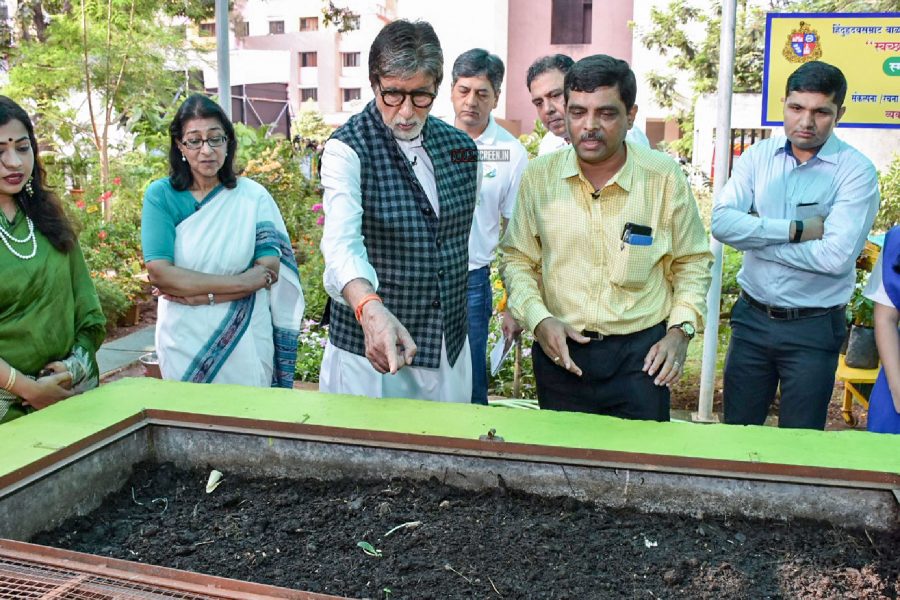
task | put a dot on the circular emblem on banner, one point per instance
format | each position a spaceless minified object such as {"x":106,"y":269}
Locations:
{"x":803,"y":45}
{"x":892,"y":66}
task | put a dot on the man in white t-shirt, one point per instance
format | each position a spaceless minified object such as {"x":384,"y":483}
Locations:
{"x":477,"y":76}
{"x":545,"y":83}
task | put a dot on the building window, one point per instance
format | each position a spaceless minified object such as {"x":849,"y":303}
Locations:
{"x":570,"y":22}
{"x":309,"y":23}
{"x":351,"y":94}
{"x":276,"y":27}
{"x":309,"y":59}
{"x":207,"y":29}
{"x":309,"y":94}
{"x":350,"y":59}
{"x":241,"y":29}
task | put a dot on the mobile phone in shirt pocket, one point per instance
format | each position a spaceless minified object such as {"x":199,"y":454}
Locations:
{"x":637,"y":235}
{"x":631,"y":265}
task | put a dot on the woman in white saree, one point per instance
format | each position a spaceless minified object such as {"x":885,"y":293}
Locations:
{"x":216,"y":247}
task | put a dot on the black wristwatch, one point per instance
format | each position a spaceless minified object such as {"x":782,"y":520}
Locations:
{"x":798,"y":231}
{"x":687,"y":328}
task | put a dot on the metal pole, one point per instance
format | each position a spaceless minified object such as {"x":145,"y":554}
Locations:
{"x":704,"y":412}
{"x":223,"y":58}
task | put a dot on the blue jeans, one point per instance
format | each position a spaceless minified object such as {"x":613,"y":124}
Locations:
{"x":480,"y":305}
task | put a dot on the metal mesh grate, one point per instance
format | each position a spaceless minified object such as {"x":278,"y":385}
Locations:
{"x":22,"y":580}
{"x":34,"y":571}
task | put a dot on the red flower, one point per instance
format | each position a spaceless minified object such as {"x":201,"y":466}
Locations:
{"x":80,"y":204}
{"x":320,"y":221}
{"x":117,"y":181}
{"x":101,"y":234}
{"x":105,"y":196}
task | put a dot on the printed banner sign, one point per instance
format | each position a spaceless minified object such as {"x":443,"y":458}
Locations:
{"x":865,"y":46}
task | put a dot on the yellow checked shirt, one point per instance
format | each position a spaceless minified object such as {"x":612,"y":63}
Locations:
{"x":563,"y":254}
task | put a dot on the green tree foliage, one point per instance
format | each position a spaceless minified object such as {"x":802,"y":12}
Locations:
{"x":889,"y":214}
{"x":341,"y":18}
{"x":310,"y":125}
{"x":669,"y":34}
{"x":99,"y":64}
{"x":840,"y":6}
{"x":532,"y":141}
{"x":32,"y":16}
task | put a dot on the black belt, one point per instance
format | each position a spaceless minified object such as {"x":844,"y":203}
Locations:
{"x":596,"y":335}
{"x":787,"y":314}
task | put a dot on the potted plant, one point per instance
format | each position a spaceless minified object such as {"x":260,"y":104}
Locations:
{"x":76,"y":166}
{"x":862,"y":353}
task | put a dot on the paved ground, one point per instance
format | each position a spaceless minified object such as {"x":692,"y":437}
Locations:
{"x":125,"y":351}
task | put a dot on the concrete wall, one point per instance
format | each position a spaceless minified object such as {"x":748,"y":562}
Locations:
{"x":462,"y":25}
{"x":529,"y":39}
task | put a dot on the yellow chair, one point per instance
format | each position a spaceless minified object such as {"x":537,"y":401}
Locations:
{"x":851,"y":378}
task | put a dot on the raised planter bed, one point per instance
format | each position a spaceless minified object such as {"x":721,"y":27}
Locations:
{"x":306,"y":534}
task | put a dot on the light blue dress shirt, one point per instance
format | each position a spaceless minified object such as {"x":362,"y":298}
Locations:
{"x":768,"y":189}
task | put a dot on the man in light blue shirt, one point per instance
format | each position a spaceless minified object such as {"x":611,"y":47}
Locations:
{"x":800,"y":208}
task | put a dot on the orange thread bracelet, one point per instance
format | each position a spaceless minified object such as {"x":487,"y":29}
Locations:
{"x":365,"y":300}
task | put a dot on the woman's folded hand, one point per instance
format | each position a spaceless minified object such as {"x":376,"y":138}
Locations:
{"x":258,"y":277}
{"x":48,"y":390}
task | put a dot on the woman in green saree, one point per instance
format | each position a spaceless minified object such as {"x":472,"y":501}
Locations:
{"x":51,"y":323}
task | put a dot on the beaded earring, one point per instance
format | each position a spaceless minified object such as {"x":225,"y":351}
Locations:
{"x":28,"y":189}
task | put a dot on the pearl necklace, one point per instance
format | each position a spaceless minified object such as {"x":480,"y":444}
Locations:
{"x":8,"y":237}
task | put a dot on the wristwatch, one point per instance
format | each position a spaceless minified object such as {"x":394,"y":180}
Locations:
{"x":687,"y":328}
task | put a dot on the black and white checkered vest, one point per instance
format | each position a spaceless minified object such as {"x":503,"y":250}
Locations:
{"x":421,"y":260}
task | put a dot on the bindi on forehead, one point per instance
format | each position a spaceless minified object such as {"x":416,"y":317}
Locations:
{"x":12,"y":140}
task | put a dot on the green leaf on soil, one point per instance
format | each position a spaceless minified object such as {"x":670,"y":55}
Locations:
{"x":369,"y":549}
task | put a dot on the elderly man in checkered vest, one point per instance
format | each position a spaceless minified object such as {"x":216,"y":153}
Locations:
{"x":400,"y":191}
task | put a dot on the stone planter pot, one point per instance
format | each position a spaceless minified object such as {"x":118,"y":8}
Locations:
{"x":861,"y":350}
{"x":131,"y":317}
{"x":150,"y":362}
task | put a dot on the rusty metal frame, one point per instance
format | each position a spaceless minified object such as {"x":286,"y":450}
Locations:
{"x":162,"y":578}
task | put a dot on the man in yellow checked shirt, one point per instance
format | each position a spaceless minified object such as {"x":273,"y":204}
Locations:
{"x":605,"y":258}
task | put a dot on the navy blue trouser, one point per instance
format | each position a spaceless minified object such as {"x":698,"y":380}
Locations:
{"x":800,"y":354}
{"x":612,"y":381}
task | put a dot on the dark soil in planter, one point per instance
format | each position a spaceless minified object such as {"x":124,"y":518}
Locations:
{"x":495,"y":543}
